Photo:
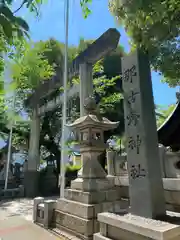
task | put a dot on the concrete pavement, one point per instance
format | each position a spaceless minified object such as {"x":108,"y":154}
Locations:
{"x":14,"y":227}
{"x":16,"y":222}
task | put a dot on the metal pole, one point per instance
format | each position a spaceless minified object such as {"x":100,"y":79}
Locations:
{"x":62,"y":180}
{"x":9,"y":146}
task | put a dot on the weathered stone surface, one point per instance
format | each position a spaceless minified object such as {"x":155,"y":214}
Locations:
{"x":33,"y":153}
{"x":172,"y":197}
{"x":121,"y":166}
{"x":96,"y":226}
{"x":114,"y":233}
{"x":91,"y":167}
{"x":86,"y":84}
{"x":92,"y":184}
{"x":85,"y":197}
{"x":171,"y":190}
{"x":121,"y":181}
{"x":111,"y":158}
{"x":80,"y":225}
{"x":103,"y":229}
{"x":142,"y":144}
{"x":170,"y":161}
{"x":113,"y":194}
{"x":134,"y":227}
{"x":49,"y":206}
{"x":107,"y":207}
{"x":77,"y":208}
{"x":36,"y":202}
{"x":172,"y":184}
{"x":98,"y":236}
{"x":81,"y":209}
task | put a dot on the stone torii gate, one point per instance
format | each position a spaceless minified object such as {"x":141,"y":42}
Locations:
{"x":82,"y":66}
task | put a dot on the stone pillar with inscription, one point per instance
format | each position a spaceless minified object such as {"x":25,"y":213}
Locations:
{"x":147,"y":202}
{"x":144,"y":167}
{"x":32,"y":175}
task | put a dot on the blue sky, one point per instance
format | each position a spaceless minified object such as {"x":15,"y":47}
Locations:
{"x":51,"y":24}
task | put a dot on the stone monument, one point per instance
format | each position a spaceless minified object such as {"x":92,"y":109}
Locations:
{"x":147,"y":202}
{"x":142,"y":144}
{"x":92,"y":192}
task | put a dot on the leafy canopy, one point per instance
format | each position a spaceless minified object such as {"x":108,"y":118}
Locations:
{"x":38,"y":61}
{"x":10,"y":24}
{"x":165,"y":113}
{"x":153,"y":25}
{"x":29,"y":69}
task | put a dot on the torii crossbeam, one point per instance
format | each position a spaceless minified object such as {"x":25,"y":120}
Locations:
{"x":106,"y":43}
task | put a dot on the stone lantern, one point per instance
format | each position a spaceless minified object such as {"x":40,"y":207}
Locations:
{"x":90,"y":129}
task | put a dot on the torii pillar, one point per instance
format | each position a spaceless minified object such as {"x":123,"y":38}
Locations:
{"x":31,"y":176}
{"x":86,"y":84}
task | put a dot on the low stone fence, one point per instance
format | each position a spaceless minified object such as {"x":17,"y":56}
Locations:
{"x":170,"y":163}
{"x":9,"y":193}
{"x":11,"y":184}
{"x":43,"y":211}
{"x":171,"y":191}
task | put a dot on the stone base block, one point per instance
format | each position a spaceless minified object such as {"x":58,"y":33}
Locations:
{"x":84,"y":197}
{"x":78,"y":211}
{"x":112,"y":194}
{"x":66,"y":233}
{"x":75,"y":223}
{"x":92,"y":184}
{"x":88,"y":211}
{"x":171,"y":191}
{"x":131,"y":227}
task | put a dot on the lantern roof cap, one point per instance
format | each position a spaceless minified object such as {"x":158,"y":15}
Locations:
{"x":93,"y":118}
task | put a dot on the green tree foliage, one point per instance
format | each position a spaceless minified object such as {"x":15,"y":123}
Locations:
{"x":85,"y":7}
{"x":107,"y":84}
{"x":28,"y":70}
{"x":38,"y":61}
{"x":10,"y":24}
{"x":13,"y":27}
{"x":154,"y":26}
{"x":165,"y":113}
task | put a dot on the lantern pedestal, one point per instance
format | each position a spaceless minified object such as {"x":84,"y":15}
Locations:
{"x":91,"y":176}
{"x":92,"y":192}
{"x":92,"y":184}
{"x":77,"y":212}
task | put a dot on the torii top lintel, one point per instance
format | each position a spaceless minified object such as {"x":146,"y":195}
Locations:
{"x":106,"y":43}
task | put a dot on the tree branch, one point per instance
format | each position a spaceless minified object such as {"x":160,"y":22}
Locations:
{"x":22,"y":4}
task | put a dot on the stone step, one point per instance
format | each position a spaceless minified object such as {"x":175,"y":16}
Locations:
{"x":74,"y":223}
{"x":67,"y":234}
{"x":93,"y":197}
{"x":83,"y":210}
{"x":12,"y":193}
{"x":89,"y":211}
{"x":98,"y":236}
{"x":62,"y":233}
